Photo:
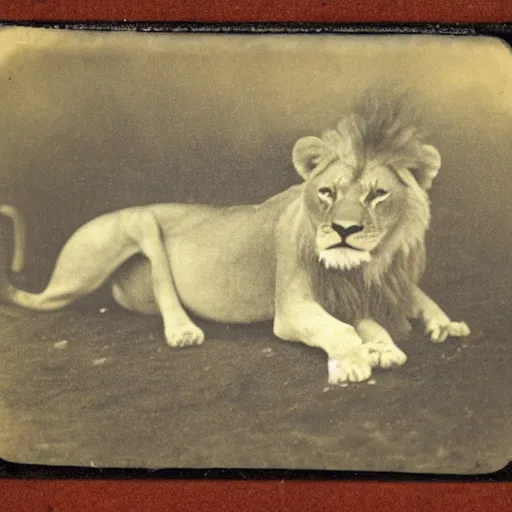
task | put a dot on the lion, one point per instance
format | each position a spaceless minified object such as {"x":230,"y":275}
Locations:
{"x":333,"y":261}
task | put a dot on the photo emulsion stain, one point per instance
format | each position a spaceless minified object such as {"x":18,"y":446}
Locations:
{"x":255,"y":251}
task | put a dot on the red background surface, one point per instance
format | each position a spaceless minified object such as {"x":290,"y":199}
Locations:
{"x":277,"y":495}
{"x":260,"y":10}
{"x":251,"y":496}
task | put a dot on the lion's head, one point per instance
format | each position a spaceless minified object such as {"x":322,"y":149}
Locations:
{"x":366,"y":184}
{"x":365,"y":198}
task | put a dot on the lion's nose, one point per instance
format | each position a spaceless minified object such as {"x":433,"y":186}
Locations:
{"x":346,"y":228}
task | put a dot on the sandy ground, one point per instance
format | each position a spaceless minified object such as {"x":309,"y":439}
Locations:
{"x":95,"y":387}
{"x":116,"y":395}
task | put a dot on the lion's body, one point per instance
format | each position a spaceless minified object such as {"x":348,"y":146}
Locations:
{"x":223,"y":260}
{"x":235,"y":282}
{"x":333,"y":261}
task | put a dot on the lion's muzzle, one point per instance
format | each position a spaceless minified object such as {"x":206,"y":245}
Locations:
{"x":344,"y":229}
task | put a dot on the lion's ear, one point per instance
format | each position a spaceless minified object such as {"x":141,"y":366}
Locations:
{"x":427,"y":167}
{"x":308,"y":154}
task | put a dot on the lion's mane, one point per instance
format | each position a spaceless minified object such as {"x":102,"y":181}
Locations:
{"x":388,"y":131}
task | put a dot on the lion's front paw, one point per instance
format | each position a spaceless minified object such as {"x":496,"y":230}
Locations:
{"x":440,"y":327}
{"x":352,"y":368}
{"x":385,"y":355}
{"x":184,"y":336}
{"x":382,"y":351}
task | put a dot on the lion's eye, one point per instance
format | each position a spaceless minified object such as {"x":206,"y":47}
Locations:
{"x":326,"y":194}
{"x":377,"y":195}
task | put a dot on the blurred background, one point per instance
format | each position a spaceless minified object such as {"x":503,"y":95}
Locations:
{"x":99,"y":121}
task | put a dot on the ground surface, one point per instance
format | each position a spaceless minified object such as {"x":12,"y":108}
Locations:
{"x":116,"y":395}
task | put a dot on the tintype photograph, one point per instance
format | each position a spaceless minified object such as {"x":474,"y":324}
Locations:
{"x":255,"y":251}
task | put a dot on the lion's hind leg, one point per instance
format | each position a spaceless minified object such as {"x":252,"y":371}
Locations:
{"x":132,"y":288}
{"x":94,"y":252}
{"x":87,"y":259}
{"x":141,"y":226}
{"x":383,"y":351}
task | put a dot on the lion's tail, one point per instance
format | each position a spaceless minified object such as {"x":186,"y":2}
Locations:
{"x":19,"y":234}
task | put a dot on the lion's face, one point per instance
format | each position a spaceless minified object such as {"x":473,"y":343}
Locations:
{"x":353,"y":214}
{"x":363,"y":205}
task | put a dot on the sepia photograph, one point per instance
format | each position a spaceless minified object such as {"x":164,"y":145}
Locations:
{"x":265,"y":251}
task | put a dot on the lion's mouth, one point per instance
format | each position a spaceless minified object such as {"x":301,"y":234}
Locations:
{"x":344,"y":245}
{"x":344,"y":259}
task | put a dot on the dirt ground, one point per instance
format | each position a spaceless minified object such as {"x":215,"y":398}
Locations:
{"x":96,"y":386}
{"x":116,"y":395}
